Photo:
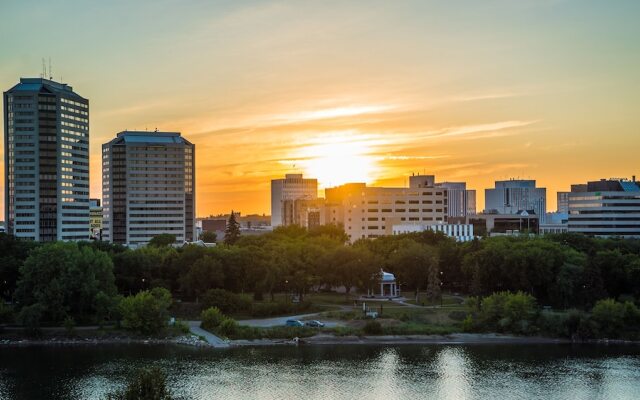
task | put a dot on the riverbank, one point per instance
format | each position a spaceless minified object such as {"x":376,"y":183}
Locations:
{"x":322,"y":339}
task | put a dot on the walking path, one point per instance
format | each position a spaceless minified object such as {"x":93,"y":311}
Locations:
{"x":281,"y":321}
{"x":213,"y":340}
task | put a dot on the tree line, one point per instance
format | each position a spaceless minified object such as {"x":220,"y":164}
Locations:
{"x":85,"y":280}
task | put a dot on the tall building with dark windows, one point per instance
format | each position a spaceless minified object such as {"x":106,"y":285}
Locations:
{"x":46,"y":157}
{"x":605,"y":208}
{"x":148,"y":187}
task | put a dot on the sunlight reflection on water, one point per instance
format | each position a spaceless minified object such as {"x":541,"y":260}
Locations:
{"x":339,"y":372}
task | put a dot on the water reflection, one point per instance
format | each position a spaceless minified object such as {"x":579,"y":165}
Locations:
{"x":345,"y":372}
{"x":453,"y":374}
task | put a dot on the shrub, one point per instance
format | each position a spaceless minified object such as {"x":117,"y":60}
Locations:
{"x":211,"y":318}
{"x":69,"y":326}
{"x":226,"y":301}
{"x":6,"y":313}
{"x":467,"y":324}
{"x":616,"y":320}
{"x":227,"y":327}
{"x":148,"y":384}
{"x":508,"y":312}
{"x":147,"y":311}
{"x":30,"y":317}
{"x":372,"y":328}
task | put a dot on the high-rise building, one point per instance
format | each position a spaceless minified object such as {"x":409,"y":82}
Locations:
{"x":148,"y":187}
{"x":563,"y":202}
{"x":95,"y":219}
{"x":512,"y":196}
{"x":46,"y":157}
{"x":370,"y":212}
{"x":461,"y":202}
{"x":285,"y":193}
{"x":605,"y":208}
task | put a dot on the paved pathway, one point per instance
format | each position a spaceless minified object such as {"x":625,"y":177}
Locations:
{"x":213,"y":340}
{"x":281,"y":321}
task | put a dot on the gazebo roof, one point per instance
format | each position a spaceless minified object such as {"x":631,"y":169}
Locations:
{"x":387,"y":276}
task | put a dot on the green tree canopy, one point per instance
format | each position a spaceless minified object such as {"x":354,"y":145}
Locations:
{"x":66,"y":280}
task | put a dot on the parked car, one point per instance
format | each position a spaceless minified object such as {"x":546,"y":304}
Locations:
{"x":294,"y":322}
{"x":314,"y":324}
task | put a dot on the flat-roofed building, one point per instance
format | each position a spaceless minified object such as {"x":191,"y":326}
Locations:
{"x":461,"y":201}
{"x":46,"y":158}
{"x":494,"y":224}
{"x":286,"y":192}
{"x":605,"y":208}
{"x":148,"y":187}
{"x":371,"y":212}
{"x":515,"y":195}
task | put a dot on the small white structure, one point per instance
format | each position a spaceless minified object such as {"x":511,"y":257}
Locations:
{"x":388,"y":286}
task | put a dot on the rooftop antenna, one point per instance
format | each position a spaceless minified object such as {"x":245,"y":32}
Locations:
{"x":50,"y":73}
{"x":44,"y":69}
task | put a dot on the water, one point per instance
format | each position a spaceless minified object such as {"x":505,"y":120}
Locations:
{"x":326,"y":372}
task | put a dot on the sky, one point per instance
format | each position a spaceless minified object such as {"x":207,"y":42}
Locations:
{"x":344,"y":91}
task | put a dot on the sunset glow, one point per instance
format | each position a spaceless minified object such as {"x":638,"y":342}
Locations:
{"x":471,"y":91}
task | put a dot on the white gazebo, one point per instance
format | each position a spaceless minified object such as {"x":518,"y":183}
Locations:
{"x":388,"y":286}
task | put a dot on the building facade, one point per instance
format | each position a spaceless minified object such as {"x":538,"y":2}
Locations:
{"x":461,"y":202}
{"x":370,"y":212}
{"x":46,"y":158}
{"x":512,"y":196}
{"x":563,"y":202}
{"x":95,"y":219}
{"x":605,"y":208}
{"x":285,"y":193}
{"x":518,"y":223}
{"x":459,"y":232}
{"x":148,"y":187}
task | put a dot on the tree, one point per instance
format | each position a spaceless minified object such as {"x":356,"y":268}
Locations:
{"x":13,"y":252}
{"x":162,"y":240}
{"x":206,"y":273}
{"x":66,"y":280}
{"x":148,"y":384}
{"x":412,"y":262}
{"x":232,"y":231}
{"x":147,"y":312}
{"x":208,"y":237}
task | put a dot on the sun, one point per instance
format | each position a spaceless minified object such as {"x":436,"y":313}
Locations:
{"x":338,"y":158}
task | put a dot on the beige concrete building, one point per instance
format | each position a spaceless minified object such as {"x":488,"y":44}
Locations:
{"x":370,"y":212}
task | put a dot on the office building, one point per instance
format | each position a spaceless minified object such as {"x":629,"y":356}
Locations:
{"x":605,"y":208}
{"x":459,"y":232}
{"x":515,"y":195}
{"x":556,"y":222}
{"x":286,"y":193}
{"x":148,"y":187}
{"x":461,"y":202}
{"x":563,"y":202}
{"x":95,"y":219}
{"x":370,"y":212}
{"x":511,"y":224}
{"x":46,"y":160}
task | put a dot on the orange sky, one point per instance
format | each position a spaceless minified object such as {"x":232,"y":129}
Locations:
{"x":343,"y":91}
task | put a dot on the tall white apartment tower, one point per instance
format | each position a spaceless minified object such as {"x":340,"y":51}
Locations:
{"x":509,"y":197}
{"x":46,"y":158}
{"x":148,"y":187}
{"x":290,"y":189}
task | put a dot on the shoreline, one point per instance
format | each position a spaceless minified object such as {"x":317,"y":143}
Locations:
{"x":320,"y":340}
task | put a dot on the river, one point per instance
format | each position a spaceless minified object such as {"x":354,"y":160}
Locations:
{"x":328,"y":372}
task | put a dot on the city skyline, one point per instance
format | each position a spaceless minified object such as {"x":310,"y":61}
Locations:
{"x":473,"y":93}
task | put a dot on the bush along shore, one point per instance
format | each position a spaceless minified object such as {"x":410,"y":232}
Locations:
{"x":565,"y":286}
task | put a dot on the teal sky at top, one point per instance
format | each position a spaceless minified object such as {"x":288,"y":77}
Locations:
{"x":569,"y":68}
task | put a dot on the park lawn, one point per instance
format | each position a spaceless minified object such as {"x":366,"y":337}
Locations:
{"x":447,"y":300}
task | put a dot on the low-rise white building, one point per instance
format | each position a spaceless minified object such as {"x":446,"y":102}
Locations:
{"x":459,"y":232}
